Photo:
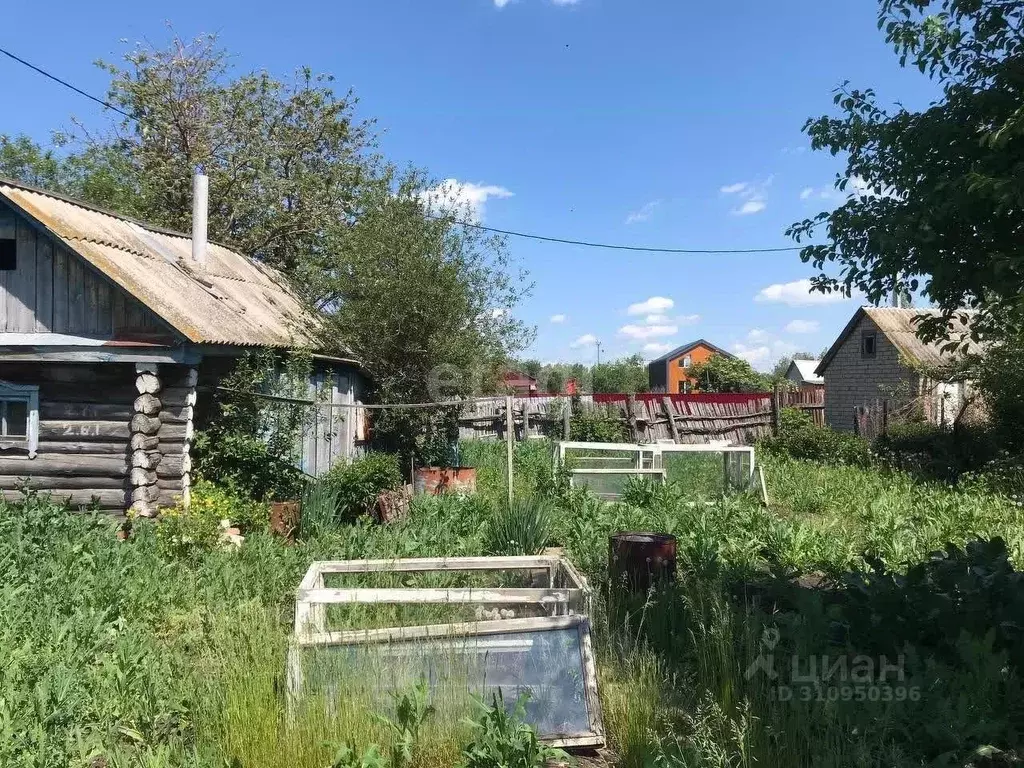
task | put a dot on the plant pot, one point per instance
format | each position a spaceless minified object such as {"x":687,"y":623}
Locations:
{"x":640,"y":560}
{"x":284,"y":518}
{"x":437,"y":480}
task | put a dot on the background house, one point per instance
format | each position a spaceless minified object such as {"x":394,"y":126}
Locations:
{"x":802,"y":374}
{"x":878,"y":357}
{"x":110,"y":330}
{"x":519,"y":383}
{"x":671,"y":372}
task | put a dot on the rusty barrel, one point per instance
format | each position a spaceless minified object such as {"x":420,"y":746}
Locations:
{"x":639,"y":560}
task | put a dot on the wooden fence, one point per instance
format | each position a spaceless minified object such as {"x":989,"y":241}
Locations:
{"x":698,"y":418}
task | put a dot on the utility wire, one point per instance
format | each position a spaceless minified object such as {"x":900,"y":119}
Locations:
{"x":470,"y":224}
{"x":615,"y":247}
{"x":66,"y":84}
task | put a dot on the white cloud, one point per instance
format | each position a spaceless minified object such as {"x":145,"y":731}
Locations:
{"x":757,"y":334}
{"x":655,"y":305}
{"x":645,"y":212}
{"x":463,"y":198}
{"x":688,"y":319}
{"x":501,"y":3}
{"x":648,"y":331}
{"x":821,"y":193}
{"x":565,"y":2}
{"x":861,"y":188}
{"x":806,"y":192}
{"x":558,"y":318}
{"x":655,"y":348}
{"x":735,"y":189}
{"x":757,"y":355}
{"x":657,"y":319}
{"x":586,"y":340}
{"x":498,"y":313}
{"x":797,"y":294}
{"x":749,"y":207}
{"x":802,"y":326}
{"x":752,"y":194}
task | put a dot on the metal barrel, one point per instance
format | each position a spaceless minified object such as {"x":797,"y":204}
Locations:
{"x":640,"y":560}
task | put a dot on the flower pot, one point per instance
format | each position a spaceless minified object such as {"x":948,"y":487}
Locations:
{"x":438,"y":480}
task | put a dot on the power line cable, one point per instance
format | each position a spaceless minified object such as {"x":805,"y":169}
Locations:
{"x":470,"y":224}
{"x":616,"y":247}
{"x":66,"y":84}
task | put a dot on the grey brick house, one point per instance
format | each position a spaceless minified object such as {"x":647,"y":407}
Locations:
{"x":877,"y":358}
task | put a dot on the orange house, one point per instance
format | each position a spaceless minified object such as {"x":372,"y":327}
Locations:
{"x":670,"y":373}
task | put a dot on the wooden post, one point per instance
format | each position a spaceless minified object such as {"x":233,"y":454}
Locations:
{"x":885,"y":417}
{"x":567,"y":419}
{"x":666,"y":403}
{"x":144,"y":426}
{"x":510,"y":436}
{"x":776,"y":410}
{"x":634,"y":430}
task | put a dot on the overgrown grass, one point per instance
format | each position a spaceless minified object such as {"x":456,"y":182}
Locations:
{"x":144,"y":657}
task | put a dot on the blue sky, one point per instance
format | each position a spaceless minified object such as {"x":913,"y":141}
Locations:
{"x":652,"y":122}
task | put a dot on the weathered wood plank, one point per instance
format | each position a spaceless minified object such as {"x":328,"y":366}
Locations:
{"x":82,"y":430}
{"x":61,"y":446}
{"x":67,"y":411}
{"x":21,"y":288}
{"x":44,"y":285}
{"x":77,"y":276}
{"x":108,"y":498}
{"x":60,"y":290}
{"x":60,"y":483}
{"x":64,"y":465}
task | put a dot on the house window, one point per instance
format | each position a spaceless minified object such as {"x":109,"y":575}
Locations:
{"x":685,"y":387}
{"x":19,"y":417}
{"x":868,"y":344}
{"x":686,"y":362}
{"x":8,"y":254}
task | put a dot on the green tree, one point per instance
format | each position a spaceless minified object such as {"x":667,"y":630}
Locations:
{"x":628,"y":374}
{"x":295,"y":182}
{"x":729,"y":374}
{"x":935,"y":195}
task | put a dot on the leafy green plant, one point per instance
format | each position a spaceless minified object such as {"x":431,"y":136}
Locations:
{"x":347,"y":756}
{"x":412,"y":710}
{"x":321,"y":500}
{"x":183,"y":531}
{"x":358,"y":483}
{"x":801,"y":438}
{"x":503,"y":740}
{"x":522,"y":527}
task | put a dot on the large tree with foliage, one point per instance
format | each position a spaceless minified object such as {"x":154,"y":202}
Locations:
{"x":295,"y":182}
{"x":627,"y":374}
{"x":720,"y":373}
{"x":937,"y":195}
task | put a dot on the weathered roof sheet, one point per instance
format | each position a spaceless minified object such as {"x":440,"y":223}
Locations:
{"x":233,"y":300}
{"x":687,"y":347}
{"x":806,"y":369}
{"x":900,"y":327}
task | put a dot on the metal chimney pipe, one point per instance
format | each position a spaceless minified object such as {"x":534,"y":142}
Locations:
{"x":200,"y":213}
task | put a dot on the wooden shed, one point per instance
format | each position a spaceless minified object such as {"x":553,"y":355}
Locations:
{"x":109,"y":328}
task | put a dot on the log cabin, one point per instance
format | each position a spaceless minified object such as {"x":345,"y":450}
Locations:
{"x":112,"y":334}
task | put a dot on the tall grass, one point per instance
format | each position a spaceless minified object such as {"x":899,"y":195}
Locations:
{"x":123,"y":652}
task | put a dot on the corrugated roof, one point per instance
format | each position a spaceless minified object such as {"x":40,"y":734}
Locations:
{"x":806,"y":368}
{"x":232,"y":300}
{"x":900,"y":327}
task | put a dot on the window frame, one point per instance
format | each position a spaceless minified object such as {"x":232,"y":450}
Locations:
{"x":865,"y":337}
{"x":28,"y":394}
{"x":686,"y":362}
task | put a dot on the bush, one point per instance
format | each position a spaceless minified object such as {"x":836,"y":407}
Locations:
{"x":182,"y":532}
{"x":246,"y":464}
{"x":502,"y":739}
{"x":937,"y":452}
{"x":597,"y":427}
{"x":800,"y":438}
{"x":520,"y":528}
{"x":359,"y":483}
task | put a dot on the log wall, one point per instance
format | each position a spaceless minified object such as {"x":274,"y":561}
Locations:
{"x":102,"y":439}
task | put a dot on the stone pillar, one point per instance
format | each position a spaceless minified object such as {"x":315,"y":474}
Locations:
{"x":186,"y":458}
{"x":145,"y":442}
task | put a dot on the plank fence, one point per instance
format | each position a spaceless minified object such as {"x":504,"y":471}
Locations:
{"x":740,"y":419}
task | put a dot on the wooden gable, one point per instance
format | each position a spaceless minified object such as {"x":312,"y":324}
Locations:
{"x":47,"y":288}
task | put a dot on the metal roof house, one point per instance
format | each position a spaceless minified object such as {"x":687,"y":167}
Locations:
{"x":802,"y":374}
{"x":109,"y":327}
{"x":878,"y":357}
